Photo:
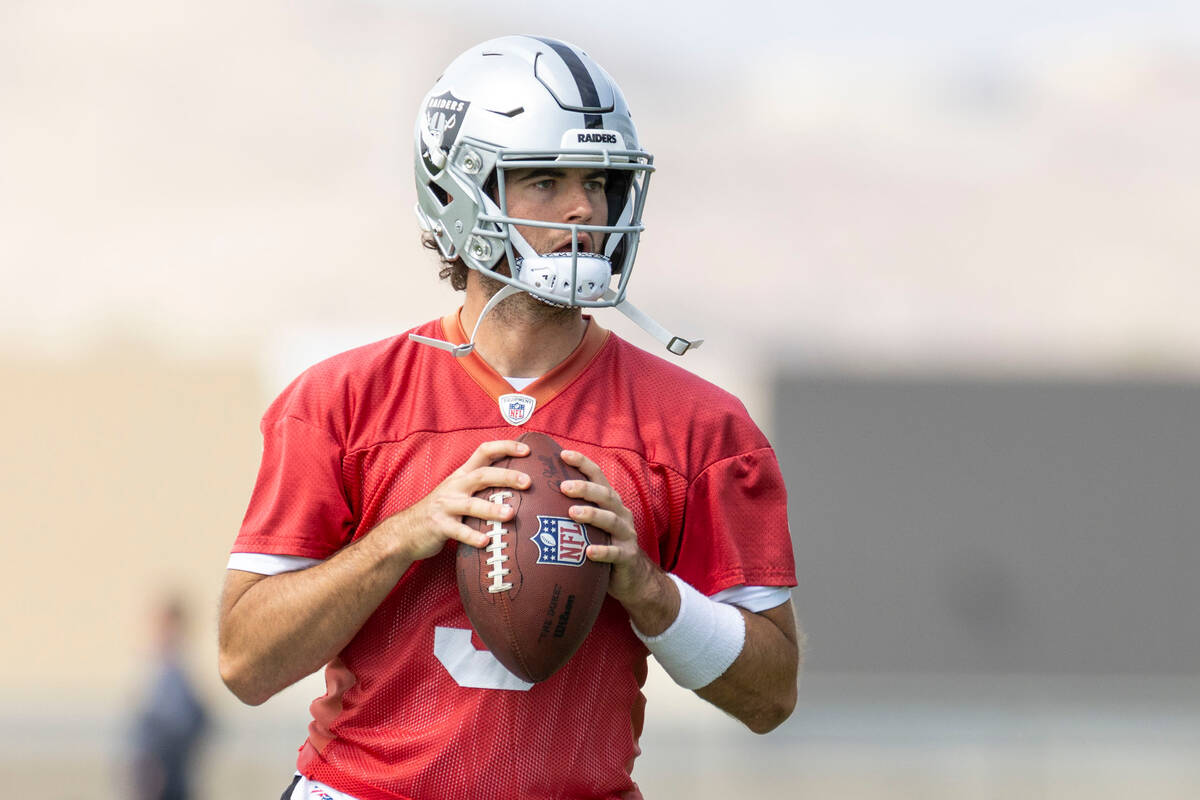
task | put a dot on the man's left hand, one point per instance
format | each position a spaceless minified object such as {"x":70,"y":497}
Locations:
{"x":636,"y":582}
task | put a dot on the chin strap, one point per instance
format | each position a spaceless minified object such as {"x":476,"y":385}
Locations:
{"x":460,"y":350}
{"x":676,"y":344}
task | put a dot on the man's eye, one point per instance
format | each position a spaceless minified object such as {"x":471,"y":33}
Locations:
{"x":594,"y":186}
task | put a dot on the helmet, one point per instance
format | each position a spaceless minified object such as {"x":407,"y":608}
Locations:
{"x":518,"y":102}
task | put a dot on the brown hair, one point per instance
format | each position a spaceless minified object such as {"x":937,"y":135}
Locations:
{"x":454,"y":269}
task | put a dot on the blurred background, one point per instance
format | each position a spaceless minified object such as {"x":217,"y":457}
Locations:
{"x":941,"y":249}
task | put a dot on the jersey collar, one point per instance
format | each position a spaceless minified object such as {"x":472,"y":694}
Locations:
{"x":545,"y":388}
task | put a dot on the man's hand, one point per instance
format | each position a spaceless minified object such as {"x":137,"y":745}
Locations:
{"x":421,"y":530}
{"x":637,"y":583}
{"x":759,"y":688}
{"x":276,"y":629}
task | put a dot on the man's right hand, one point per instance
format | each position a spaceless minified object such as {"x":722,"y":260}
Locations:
{"x":421,"y":530}
{"x":276,"y":629}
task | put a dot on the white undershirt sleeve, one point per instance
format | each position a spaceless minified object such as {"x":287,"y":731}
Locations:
{"x":754,"y":598}
{"x":267,"y":564}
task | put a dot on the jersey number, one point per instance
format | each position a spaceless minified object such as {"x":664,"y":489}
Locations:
{"x":474,"y":669}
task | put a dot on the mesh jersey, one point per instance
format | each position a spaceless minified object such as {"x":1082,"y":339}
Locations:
{"x":409,"y":711}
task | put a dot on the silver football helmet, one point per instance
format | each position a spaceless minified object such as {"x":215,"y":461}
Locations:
{"x":520,"y":102}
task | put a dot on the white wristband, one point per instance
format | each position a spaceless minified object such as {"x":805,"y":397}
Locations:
{"x":702,"y":642}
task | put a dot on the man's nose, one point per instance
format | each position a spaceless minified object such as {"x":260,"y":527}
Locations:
{"x":578,"y":202}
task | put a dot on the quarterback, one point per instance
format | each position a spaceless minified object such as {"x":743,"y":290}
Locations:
{"x":531,"y":183}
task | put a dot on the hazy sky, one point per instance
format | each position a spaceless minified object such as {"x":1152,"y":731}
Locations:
{"x":986,"y":176}
{"x":946,"y":27}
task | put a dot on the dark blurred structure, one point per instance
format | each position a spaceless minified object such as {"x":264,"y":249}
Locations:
{"x":170,"y":721}
{"x":948,"y":526}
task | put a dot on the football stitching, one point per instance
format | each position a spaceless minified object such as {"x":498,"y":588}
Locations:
{"x":497,"y":556}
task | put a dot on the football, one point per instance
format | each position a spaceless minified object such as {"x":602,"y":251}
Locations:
{"x":531,"y":594}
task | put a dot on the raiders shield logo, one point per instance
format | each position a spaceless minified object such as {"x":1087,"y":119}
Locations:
{"x":443,"y":118}
{"x":516,"y":408}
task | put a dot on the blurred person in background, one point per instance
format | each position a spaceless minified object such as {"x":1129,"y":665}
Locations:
{"x":531,"y":183}
{"x":170,"y":721}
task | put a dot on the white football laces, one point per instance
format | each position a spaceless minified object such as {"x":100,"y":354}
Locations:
{"x":497,"y":556}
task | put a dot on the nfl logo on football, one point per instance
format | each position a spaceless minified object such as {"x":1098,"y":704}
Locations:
{"x":560,"y":541}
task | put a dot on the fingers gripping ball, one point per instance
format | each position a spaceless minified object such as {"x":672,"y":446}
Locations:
{"x":531,"y":594}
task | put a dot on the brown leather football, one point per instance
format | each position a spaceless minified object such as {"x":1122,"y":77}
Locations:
{"x":532,"y":594}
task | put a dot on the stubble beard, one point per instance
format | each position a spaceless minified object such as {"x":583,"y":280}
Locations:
{"x":523,"y":308}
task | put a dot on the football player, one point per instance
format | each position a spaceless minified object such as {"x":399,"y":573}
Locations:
{"x":531,"y":182}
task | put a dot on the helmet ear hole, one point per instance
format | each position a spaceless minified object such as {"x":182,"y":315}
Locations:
{"x":440,"y":194}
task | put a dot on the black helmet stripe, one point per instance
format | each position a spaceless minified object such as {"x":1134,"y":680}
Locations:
{"x":588,"y":96}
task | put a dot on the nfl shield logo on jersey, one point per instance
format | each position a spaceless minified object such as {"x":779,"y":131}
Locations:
{"x":516,"y":408}
{"x":560,"y":541}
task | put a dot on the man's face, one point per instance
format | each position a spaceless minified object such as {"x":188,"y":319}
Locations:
{"x":551,"y":194}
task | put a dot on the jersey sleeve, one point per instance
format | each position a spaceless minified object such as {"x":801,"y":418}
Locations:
{"x":299,"y":506}
{"x":735,"y":527}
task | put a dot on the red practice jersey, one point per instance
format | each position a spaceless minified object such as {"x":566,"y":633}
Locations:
{"x":415,"y":707}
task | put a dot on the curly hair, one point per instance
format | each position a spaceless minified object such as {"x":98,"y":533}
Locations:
{"x":454,"y":269}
